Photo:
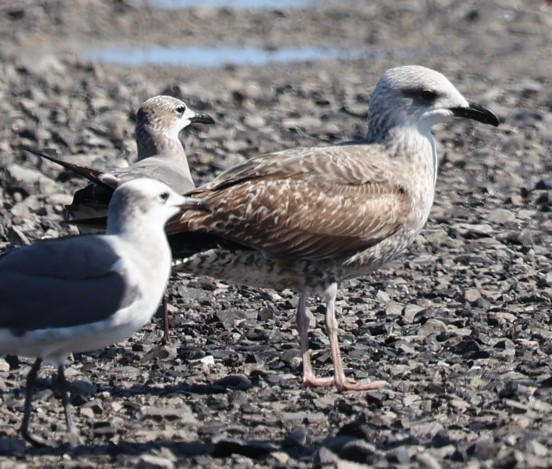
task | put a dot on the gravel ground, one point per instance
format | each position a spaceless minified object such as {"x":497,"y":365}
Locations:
{"x":460,"y":327}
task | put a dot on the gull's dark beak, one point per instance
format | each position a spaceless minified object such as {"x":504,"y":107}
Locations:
{"x":202,"y":119}
{"x":477,"y":113}
{"x":195,"y":204}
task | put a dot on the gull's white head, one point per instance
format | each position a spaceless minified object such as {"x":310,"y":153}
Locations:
{"x":146,"y":201}
{"x":418,"y":97}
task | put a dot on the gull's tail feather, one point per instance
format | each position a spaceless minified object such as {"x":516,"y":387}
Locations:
{"x":93,"y":175}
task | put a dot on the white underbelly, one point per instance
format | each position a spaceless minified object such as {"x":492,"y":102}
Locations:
{"x":55,"y":344}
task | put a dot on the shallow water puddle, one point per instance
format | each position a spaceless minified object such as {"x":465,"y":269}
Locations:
{"x":211,"y":57}
{"x":238,"y":4}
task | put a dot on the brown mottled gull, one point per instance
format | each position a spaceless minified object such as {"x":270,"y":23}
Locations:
{"x":309,"y":218}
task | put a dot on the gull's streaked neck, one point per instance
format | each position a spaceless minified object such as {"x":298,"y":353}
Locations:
{"x":156,"y":142}
{"x":404,"y":139}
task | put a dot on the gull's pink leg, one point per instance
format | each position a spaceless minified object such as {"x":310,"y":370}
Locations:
{"x":302,"y":321}
{"x":341,"y":382}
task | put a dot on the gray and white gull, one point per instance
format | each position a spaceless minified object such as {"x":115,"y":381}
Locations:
{"x":309,"y":218}
{"x":83,"y":293}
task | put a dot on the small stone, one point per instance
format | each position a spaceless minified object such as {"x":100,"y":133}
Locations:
{"x":324,"y":457}
{"x":501,"y":215}
{"x":538,"y":449}
{"x":87,"y":413}
{"x":432,"y":326}
{"x":383,"y":296}
{"x":459,"y":404}
{"x":407,"y":349}
{"x":474,"y":231}
{"x":266,"y":314}
{"x":209,"y":360}
{"x":401,"y":455}
{"x":427,"y":461}
{"x":297,"y":437}
{"x":471,"y":295}
{"x":31,"y":180}
{"x":60,"y":199}
{"x":280,"y":456}
{"x":485,"y":449}
{"x":254,"y":121}
{"x":410,"y":312}
{"x":149,"y":461}
{"x":4,"y":365}
{"x":393,"y":309}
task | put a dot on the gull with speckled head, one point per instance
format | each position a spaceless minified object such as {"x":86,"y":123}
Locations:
{"x":308,"y":218}
{"x":82,"y":293}
{"x":161,"y":156}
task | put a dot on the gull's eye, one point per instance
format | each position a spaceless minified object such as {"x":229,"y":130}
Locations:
{"x":163,"y":197}
{"x":428,"y":95}
{"x":180,"y":110}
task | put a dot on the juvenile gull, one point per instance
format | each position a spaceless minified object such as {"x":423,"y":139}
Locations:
{"x":309,"y":218}
{"x":161,"y":156}
{"x":82,"y":293}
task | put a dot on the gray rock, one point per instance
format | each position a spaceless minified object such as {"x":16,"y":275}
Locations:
{"x":432,"y":326}
{"x":150,"y":461}
{"x":31,"y":180}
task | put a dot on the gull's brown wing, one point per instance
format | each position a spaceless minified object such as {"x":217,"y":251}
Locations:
{"x":304,"y":204}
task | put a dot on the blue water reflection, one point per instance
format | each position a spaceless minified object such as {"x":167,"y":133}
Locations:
{"x":211,"y":57}
{"x":244,"y":4}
